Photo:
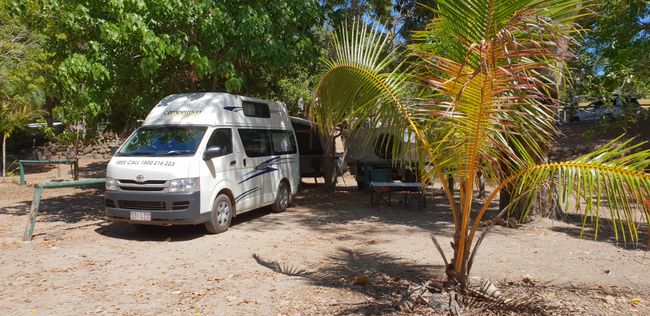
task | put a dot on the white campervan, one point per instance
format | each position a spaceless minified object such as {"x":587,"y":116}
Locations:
{"x":204,"y":158}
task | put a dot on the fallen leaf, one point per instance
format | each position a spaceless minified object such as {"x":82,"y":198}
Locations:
{"x":361,"y":280}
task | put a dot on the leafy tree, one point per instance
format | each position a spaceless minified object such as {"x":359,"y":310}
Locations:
{"x":485,"y":103}
{"x":413,"y":15}
{"x":20,"y":86}
{"x":340,"y":12}
{"x":115,"y":59}
{"x":615,"y":54}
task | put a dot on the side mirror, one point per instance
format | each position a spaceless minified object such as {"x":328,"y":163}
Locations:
{"x":211,"y":152}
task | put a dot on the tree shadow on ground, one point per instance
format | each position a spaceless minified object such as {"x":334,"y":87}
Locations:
{"x":72,"y":208}
{"x":606,"y":232}
{"x":93,"y":170}
{"x":388,"y":277}
{"x":389,"y":284}
{"x":173,"y":233}
{"x":120,"y":230}
{"x":348,"y":205}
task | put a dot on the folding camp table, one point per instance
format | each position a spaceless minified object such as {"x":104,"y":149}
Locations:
{"x":408,"y":192}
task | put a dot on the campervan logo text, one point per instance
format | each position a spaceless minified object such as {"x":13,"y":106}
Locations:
{"x":182,"y":113}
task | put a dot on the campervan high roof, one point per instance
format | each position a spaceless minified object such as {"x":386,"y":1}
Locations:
{"x":215,"y":109}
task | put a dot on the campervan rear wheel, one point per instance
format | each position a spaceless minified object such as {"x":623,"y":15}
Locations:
{"x":221,"y":215}
{"x":282,"y":199}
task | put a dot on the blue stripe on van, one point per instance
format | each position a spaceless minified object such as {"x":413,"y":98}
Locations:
{"x":233,"y":108}
{"x":265,"y":167}
{"x":239,"y":197}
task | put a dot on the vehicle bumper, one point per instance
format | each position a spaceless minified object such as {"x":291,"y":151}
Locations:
{"x":165,"y":209}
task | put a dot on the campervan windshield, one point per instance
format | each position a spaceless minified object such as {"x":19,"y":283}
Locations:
{"x":164,"y":141}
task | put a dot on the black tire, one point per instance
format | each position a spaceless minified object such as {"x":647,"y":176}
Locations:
{"x":283,"y":198}
{"x":221,"y":215}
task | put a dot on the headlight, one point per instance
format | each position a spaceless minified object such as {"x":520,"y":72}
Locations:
{"x":184,"y":185}
{"x":111,"y":184}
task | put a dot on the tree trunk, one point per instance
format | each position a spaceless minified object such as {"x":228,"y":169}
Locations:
{"x":330,"y":171}
{"x":504,"y":198}
{"x":50,"y":104}
{"x":4,"y":151}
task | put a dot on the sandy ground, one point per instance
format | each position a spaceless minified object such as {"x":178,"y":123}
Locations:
{"x":301,"y":262}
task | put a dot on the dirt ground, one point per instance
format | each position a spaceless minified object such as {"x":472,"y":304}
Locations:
{"x":301,"y":262}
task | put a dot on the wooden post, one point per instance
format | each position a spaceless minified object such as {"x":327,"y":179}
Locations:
{"x":31,"y":219}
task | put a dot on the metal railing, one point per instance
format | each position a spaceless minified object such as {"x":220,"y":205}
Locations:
{"x":36,"y":199}
{"x":72,"y":162}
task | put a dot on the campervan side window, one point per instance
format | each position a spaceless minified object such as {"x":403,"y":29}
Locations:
{"x":221,"y":137}
{"x":256,"y":142}
{"x":283,"y":142}
{"x":255,"y":109}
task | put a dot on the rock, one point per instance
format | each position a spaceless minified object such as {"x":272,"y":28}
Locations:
{"x":607,"y":290}
{"x":610,"y":300}
{"x":527,"y":279}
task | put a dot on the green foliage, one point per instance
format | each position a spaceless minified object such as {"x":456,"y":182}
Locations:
{"x":115,"y":59}
{"x":20,"y":84}
{"x":615,"y":54}
{"x":340,"y":12}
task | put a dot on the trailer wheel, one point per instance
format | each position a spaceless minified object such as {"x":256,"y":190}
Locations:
{"x":282,"y":199}
{"x":221,"y":215}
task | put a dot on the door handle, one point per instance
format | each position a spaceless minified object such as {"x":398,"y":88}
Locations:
{"x":232,"y":163}
{"x":244,"y":162}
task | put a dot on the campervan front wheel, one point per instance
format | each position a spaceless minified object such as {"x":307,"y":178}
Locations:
{"x":283,"y":197}
{"x":221,"y":215}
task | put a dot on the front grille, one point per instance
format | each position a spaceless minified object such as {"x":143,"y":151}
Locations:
{"x":142,"y":205}
{"x":125,"y":181}
{"x":110,"y":203}
{"x":181,"y":205}
{"x":125,"y":188}
{"x":147,"y":186}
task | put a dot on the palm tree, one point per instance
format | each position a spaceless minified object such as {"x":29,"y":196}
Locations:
{"x":20,"y":83}
{"x":480,"y":97}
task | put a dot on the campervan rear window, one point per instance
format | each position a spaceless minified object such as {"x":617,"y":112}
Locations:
{"x":283,"y":142}
{"x":256,"y":109}
{"x":263,"y":142}
{"x":256,"y":142}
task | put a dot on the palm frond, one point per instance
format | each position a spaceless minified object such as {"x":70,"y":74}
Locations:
{"x":610,"y":182}
{"x":359,"y":87}
{"x":495,"y":86}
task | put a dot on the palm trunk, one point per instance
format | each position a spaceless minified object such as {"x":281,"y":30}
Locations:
{"x":457,"y":272}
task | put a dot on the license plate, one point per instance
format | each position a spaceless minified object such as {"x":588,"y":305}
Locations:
{"x":140,"y":216}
